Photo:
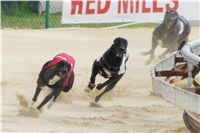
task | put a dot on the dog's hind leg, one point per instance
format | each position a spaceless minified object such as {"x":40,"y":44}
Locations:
{"x":154,"y":43}
{"x":109,"y":87}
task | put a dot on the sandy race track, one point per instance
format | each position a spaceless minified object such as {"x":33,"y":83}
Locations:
{"x":130,"y":107}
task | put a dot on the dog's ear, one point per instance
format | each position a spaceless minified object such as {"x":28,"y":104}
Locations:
{"x":117,"y":40}
{"x":125,"y":42}
{"x":171,"y":12}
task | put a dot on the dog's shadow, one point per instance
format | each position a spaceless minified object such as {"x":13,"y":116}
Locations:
{"x":25,"y":107}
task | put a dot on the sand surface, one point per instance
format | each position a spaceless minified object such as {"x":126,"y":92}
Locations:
{"x":129,"y":107}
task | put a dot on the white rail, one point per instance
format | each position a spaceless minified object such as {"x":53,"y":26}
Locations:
{"x":187,"y":52}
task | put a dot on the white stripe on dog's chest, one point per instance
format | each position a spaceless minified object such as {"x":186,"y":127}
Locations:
{"x":181,"y":28}
{"x":107,"y":72}
{"x":53,"y":80}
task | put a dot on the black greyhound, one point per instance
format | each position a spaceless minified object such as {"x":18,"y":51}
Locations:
{"x":58,"y":75}
{"x":111,"y":65}
{"x":171,"y":34}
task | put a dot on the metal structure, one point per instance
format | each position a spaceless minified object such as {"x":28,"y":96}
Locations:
{"x":181,"y":64}
{"x":166,"y":69}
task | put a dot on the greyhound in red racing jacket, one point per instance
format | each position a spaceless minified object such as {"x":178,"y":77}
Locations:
{"x":58,"y":75}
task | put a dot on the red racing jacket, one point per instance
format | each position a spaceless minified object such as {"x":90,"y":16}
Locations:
{"x":69,"y":59}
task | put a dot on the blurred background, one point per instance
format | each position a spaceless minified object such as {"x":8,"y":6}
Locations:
{"x":30,"y":14}
{"x":43,"y":14}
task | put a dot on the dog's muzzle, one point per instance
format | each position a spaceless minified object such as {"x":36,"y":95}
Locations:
{"x":120,"y":52}
{"x":62,"y":74}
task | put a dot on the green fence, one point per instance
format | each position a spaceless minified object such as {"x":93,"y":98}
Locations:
{"x":28,"y":14}
{"x":34,"y":15}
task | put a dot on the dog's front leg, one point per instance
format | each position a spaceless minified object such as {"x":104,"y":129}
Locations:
{"x":95,"y":68}
{"x":91,"y":84}
{"x":100,"y":86}
{"x":151,"y":52}
{"x":46,"y":100}
{"x":37,"y":92}
{"x":56,"y":94}
{"x":164,"y":54}
{"x":38,"y":89}
{"x":109,"y":87}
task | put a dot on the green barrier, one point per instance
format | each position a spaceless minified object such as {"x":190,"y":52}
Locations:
{"x":47,"y":24}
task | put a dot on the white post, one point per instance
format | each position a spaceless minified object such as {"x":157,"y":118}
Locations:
{"x":190,"y":79}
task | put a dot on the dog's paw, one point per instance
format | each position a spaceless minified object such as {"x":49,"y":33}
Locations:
{"x":99,"y":86}
{"x":95,"y":104}
{"x":41,"y":110}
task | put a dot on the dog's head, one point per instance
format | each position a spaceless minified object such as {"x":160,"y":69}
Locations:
{"x":63,"y":69}
{"x":119,"y":46}
{"x":171,"y":17}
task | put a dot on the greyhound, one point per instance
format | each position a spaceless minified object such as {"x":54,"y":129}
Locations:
{"x":58,"y":75}
{"x":171,"y":34}
{"x":111,"y":65}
